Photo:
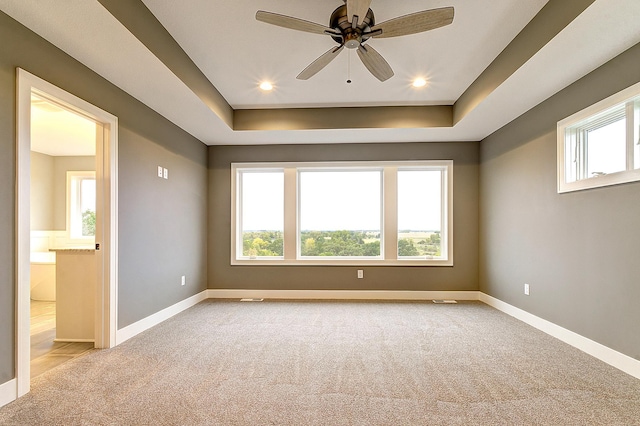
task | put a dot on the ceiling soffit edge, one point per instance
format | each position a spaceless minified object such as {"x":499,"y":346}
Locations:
{"x":551,"y":19}
{"x":393,"y":117}
{"x":140,"y":22}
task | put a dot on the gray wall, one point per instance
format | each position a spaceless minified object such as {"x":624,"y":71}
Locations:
{"x":578,"y":250}
{"x":462,"y":276}
{"x":163,"y":223}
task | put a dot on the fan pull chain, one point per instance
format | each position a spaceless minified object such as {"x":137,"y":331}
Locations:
{"x":349,"y":67}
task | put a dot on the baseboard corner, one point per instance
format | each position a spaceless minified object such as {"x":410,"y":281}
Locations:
{"x":138,"y":327}
{"x":8,"y":392}
{"x":605,"y":354}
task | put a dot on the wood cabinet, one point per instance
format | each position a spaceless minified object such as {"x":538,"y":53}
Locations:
{"x":75,"y":294}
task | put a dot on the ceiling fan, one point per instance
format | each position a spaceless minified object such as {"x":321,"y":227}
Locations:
{"x":352,"y":24}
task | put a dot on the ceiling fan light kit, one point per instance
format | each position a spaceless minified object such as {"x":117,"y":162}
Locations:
{"x":352,"y":25}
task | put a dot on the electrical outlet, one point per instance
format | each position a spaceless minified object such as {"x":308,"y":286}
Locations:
{"x":526,"y":289}
{"x":184,"y":280}
{"x":160,"y":171}
{"x":360,"y":273}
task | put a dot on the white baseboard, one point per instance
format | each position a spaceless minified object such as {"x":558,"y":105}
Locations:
{"x":340,"y":294}
{"x":63,"y":340}
{"x":138,"y":327}
{"x":8,"y":392}
{"x":616,"y":359}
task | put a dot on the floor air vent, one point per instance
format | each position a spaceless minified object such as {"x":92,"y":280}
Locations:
{"x":444,"y":301}
{"x":251,"y":300}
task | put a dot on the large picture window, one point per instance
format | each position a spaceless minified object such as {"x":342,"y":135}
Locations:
{"x":600,"y":145}
{"x":340,"y":213}
{"x":356,"y":213}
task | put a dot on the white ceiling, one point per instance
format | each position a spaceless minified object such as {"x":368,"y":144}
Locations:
{"x":236,"y":52}
{"x":57,"y":132}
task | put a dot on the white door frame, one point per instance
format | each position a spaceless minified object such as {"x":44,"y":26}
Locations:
{"x":106,"y":233}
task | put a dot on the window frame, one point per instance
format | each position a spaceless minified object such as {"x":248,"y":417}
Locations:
{"x":571,"y":148}
{"x":389,"y":227}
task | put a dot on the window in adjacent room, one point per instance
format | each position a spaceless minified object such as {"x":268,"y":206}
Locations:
{"x":342,"y":213}
{"x":600,"y":145}
{"x":81,"y":205}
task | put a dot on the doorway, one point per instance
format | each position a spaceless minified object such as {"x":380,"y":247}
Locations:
{"x":62,"y":221}
{"x":95,"y":238}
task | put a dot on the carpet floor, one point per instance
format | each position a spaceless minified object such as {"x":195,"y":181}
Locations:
{"x":333,"y":363}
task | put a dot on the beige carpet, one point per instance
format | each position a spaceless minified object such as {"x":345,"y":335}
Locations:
{"x":333,"y":363}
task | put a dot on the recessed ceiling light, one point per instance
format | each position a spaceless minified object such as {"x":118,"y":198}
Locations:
{"x":419,"y":82}
{"x":266,"y":86}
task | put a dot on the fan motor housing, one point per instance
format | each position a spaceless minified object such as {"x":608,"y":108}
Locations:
{"x":352,"y":36}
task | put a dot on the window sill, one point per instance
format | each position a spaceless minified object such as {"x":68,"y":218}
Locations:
{"x":618,"y":178}
{"x":346,"y":262}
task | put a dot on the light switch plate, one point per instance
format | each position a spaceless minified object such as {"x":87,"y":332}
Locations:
{"x":166,"y":173}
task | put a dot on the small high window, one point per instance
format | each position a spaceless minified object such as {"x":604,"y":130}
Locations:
{"x":600,"y":145}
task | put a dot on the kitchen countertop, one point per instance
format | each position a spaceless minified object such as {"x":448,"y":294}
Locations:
{"x":73,"y":250}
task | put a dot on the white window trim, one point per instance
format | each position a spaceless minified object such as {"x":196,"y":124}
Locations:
{"x":564,"y":146}
{"x":71,"y":176}
{"x":388,"y":237}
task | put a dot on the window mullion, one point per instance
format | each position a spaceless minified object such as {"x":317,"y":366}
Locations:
{"x":290,"y":236}
{"x":635,"y":134}
{"x":238,"y":219}
{"x":582,"y":137}
{"x":390,"y":213}
{"x":629,"y":113}
{"x":446,"y":234}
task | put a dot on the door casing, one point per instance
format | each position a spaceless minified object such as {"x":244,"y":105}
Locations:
{"x":106,"y":206}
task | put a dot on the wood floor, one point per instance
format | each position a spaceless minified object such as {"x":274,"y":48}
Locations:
{"x":45,"y":353}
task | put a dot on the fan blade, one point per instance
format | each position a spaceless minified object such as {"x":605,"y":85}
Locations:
{"x":315,"y":66}
{"x":291,"y":22}
{"x":415,"y":22}
{"x":375,"y":63}
{"x":359,"y":8}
